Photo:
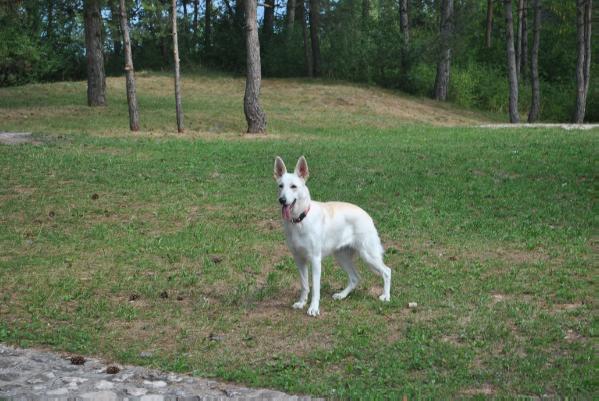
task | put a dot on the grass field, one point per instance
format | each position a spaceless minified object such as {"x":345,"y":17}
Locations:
{"x":166,"y":250}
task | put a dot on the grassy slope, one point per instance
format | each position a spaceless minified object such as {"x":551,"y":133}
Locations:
{"x":491,"y":232}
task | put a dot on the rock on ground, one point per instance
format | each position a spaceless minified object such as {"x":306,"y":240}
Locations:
{"x":27,"y":374}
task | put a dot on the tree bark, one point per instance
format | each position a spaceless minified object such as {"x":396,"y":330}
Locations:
{"x":196,"y":12}
{"x":314,"y":27}
{"x":404,"y":25}
{"x":535,"y":105}
{"x":208,"y":24}
{"x":587,"y":37}
{"x":404,"y":22}
{"x":178,"y":107}
{"x":307,"y":48}
{"x":489,"y":30}
{"x":254,"y":115}
{"x":519,"y":38}
{"x":290,"y":16}
{"x":511,"y":62}
{"x":130,"y":76}
{"x":50,"y":26}
{"x":444,"y":64}
{"x":365,"y":12}
{"x":96,"y":79}
{"x":583,"y":28}
{"x":269,"y":18}
{"x":524,"y":42}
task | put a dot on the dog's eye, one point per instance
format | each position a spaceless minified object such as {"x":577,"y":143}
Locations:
{"x":293,"y":186}
{"x":281,"y":186}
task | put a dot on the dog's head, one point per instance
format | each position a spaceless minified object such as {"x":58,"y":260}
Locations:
{"x":292,"y":187}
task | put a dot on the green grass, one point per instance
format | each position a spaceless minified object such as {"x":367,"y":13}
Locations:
{"x":491,"y":232}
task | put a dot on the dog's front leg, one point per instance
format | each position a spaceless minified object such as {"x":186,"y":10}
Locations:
{"x":302,"y":267}
{"x":314,"y":309}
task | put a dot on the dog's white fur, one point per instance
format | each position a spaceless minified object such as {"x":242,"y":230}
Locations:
{"x":335,"y":228}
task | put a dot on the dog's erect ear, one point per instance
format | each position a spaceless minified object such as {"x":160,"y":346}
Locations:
{"x":301,"y":168}
{"x":280,"y":168}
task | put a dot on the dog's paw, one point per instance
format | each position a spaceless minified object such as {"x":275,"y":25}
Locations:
{"x":313,"y":311}
{"x":339,"y":295}
{"x":299,"y":305}
{"x":385,"y":298}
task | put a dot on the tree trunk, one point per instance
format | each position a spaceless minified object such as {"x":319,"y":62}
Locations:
{"x":524,"y":42}
{"x":583,"y":29}
{"x":131,"y":96}
{"x":269,"y":18}
{"x":511,"y":62}
{"x":444,"y":64}
{"x":365,"y":12}
{"x":519,"y":39}
{"x":208,"y":24}
{"x":50,"y":26}
{"x":177,"y":75}
{"x":96,"y":80}
{"x":196,"y":12}
{"x":307,"y":52}
{"x":290,"y":15}
{"x":535,"y":105}
{"x":254,"y":115}
{"x":314,"y":26}
{"x":404,"y":22}
{"x":587,"y":38}
{"x":489,"y":30}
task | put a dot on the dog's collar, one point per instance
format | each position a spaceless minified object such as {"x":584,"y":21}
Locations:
{"x":301,"y":216}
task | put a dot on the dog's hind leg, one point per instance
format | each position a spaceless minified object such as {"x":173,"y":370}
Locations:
{"x":345,"y":258}
{"x":372,"y":254}
{"x":302,"y":267}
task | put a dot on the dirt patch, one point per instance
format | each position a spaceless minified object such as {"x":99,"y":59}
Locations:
{"x":567,"y":307}
{"x":496,"y":298}
{"x":572,"y":336}
{"x":18,"y":138}
{"x":485,"y":389}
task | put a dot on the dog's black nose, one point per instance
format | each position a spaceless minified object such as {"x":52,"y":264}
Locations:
{"x":282,"y":200}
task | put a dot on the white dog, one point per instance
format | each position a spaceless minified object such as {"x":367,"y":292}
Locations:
{"x":315,"y":230}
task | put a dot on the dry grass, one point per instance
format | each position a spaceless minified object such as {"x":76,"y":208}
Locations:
{"x":214,"y":110}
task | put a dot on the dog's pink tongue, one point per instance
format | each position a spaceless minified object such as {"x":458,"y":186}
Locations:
{"x":286,"y":212}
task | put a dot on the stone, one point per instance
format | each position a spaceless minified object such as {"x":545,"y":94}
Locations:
{"x":152,"y":397}
{"x":135,"y":391}
{"x":146,"y":354}
{"x":104,"y":385}
{"x":58,"y":391}
{"x":8,"y":376}
{"x":155,"y":384}
{"x":98,"y":396}
{"x":71,"y":379}
{"x":122,"y":378}
{"x":50,"y":375}
{"x":173,"y":378}
{"x":36,"y":380}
